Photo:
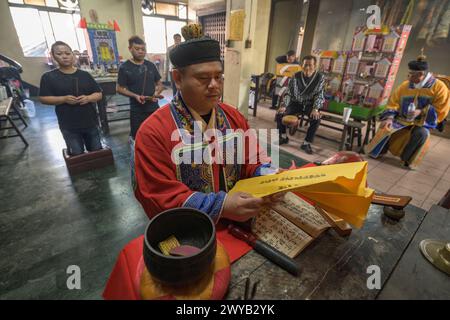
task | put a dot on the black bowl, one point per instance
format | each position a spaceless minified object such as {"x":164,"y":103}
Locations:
{"x":190,"y":227}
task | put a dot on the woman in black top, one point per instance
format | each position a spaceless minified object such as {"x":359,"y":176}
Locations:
{"x":74,"y":93}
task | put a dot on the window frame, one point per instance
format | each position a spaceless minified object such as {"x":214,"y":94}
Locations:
{"x":44,"y":8}
{"x":168,"y":17}
{"x":48,"y":9}
{"x":166,"y":40}
{"x":177,"y":17}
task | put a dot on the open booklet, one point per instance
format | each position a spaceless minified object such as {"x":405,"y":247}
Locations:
{"x":292,"y":224}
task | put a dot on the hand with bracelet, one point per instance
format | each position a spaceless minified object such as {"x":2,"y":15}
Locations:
{"x":315,"y":114}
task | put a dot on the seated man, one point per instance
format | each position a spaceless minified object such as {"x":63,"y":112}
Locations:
{"x":304,"y":96}
{"x":415,"y":107}
{"x":290,"y":58}
{"x":164,"y":182}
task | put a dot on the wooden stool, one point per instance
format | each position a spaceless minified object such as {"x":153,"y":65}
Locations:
{"x":88,"y":161}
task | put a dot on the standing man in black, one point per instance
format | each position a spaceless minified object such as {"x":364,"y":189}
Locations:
{"x":177,"y":41}
{"x":305,"y":96}
{"x":290,"y":58}
{"x":140,"y":81}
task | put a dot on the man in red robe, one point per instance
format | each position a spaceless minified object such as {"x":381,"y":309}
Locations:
{"x":176,"y":169}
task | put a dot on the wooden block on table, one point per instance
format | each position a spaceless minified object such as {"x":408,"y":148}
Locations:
{"x":341,"y":227}
{"x":395,"y":201}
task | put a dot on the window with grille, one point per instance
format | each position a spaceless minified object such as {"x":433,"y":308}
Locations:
{"x":214,"y":26}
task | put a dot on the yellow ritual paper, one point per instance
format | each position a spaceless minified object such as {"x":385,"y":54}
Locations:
{"x":338,"y":189}
{"x":289,"y":226}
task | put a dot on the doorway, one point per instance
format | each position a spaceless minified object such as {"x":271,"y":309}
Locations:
{"x":159,"y":34}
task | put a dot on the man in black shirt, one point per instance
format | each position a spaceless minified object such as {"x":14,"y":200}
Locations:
{"x":74,"y":93}
{"x":140,"y":81}
{"x":290,"y":58}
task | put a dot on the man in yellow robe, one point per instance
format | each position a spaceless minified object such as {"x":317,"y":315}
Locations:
{"x":417,"y":106}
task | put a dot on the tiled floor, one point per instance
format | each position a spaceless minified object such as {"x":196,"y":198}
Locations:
{"x":426,"y":184}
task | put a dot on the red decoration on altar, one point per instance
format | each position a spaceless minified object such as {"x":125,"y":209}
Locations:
{"x":82,"y":24}
{"x":116,"y":26}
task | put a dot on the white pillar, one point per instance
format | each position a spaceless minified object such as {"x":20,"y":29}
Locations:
{"x":242,"y":62}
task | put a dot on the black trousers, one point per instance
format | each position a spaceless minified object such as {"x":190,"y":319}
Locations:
{"x":79,"y":139}
{"x":274,"y":100}
{"x":419,"y":136}
{"x":299,"y":109}
{"x":136,"y":119}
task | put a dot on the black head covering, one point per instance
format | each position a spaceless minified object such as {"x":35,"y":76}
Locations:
{"x":416,"y":65}
{"x":196,"y":49}
{"x":420,"y":64}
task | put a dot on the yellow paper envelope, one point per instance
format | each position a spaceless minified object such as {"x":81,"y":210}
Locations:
{"x":339,"y":189}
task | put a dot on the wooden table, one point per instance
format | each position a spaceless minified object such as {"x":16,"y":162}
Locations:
{"x":415,"y":277}
{"x":108,"y":85}
{"x":333,"y":267}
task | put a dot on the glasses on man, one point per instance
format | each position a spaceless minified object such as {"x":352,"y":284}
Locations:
{"x":415,"y":73}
